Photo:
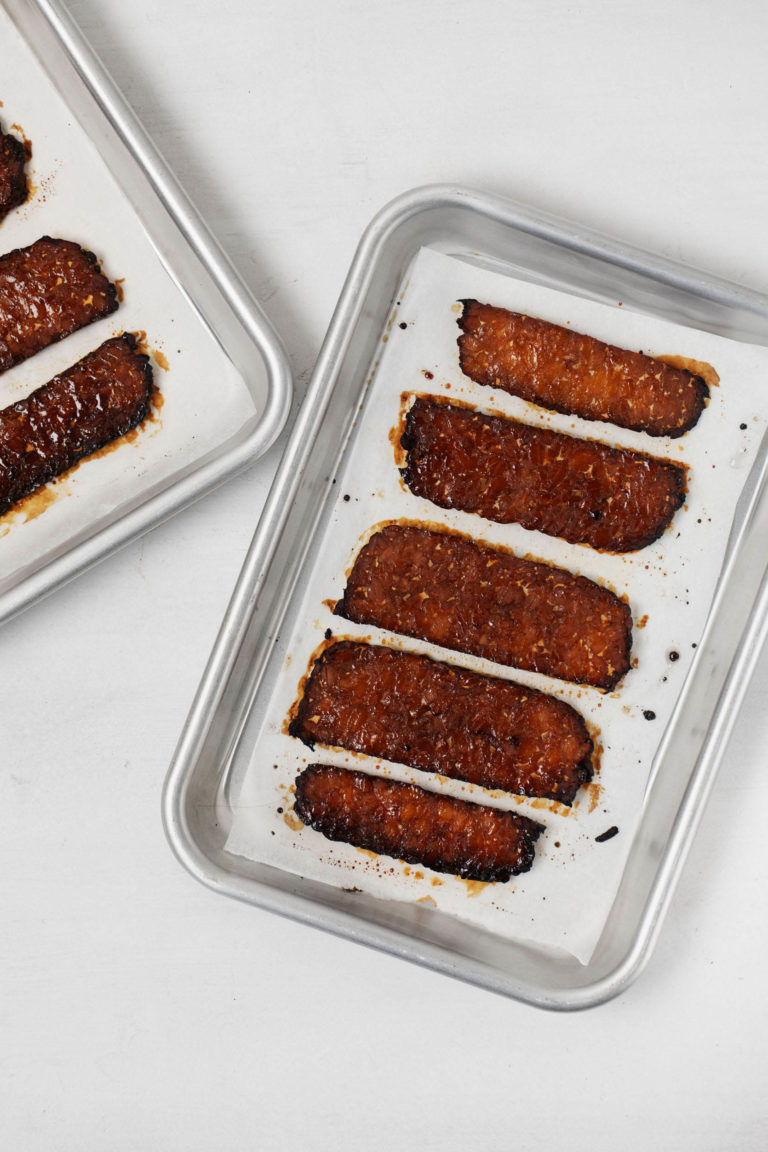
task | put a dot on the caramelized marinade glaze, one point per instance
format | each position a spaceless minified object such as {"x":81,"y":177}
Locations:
{"x":452,"y":591}
{"x":13,"y":180}
{"x":580,"y":490}
{"x":414,"y":825}
{"x":436,"y":717}
{"x":103,"y":396}
{"x":48,"y":291}
{"x":568,"y":372}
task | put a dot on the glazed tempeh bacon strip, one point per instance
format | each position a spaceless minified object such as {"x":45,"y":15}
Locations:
{"x":452,"y":591}
{"x":439,"y":718}
{"x":580,"y":490}
{"x":568,"y":372}
{"x":47,"y":291}
{"x":414,"y":825}
{"x":102,"y":397}
{"x":13,"y":180}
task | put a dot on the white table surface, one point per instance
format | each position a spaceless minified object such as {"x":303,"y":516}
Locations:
{"x":137,"y":1009}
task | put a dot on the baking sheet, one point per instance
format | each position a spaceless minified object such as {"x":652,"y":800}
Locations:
{"x":564,"y":901}
{"x":204,"y":401}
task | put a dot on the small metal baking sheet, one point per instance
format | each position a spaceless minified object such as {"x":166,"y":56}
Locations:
{"x":565,"y":899}
{"x":222,"y":384}
{"x":703,"y":588}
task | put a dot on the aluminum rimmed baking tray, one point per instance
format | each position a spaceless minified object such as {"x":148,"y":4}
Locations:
{"x":213,"y":750}
{"x":131,"y":210}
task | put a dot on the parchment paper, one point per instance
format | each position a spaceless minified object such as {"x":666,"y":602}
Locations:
{"x":204,"y":400}
{"x":564,"y":900}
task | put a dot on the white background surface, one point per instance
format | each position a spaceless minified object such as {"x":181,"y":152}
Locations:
{"x":137,"y":1009}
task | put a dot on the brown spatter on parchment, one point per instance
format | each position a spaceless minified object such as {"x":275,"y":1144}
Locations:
{"x":474,"y":887}
{"x":293,"y":822}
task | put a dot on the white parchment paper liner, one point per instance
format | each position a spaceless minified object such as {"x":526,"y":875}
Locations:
{"x":204,"y":399}
{"x":564,"y":900}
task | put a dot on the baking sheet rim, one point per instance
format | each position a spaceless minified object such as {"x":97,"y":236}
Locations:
{"x":268,"y":425}
{"x":233,"y":880}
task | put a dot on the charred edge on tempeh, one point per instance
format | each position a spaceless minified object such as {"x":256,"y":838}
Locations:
{"x":583,"y":491}
{"x":440,"y":718}
{"x":13,"y":180}
{"x":48,"y":291}
{"x":451,"y":590}
{"x":100,"y":398}
{"x":414,"y":825}
{"x":569,"y":372}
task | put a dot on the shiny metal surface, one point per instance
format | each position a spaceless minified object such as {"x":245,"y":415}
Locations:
{"x":195,"y":262}
{"x":213,"y":748}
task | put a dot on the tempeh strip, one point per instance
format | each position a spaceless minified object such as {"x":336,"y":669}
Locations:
{"x":580,"y":490}
{"x":103,"y":396}
{"x":439,"y":718}
{"x":411,"y":824}
{"x":452,"y":591}
{"x":568,"y":372}
{"x":13,"y":180}
{"x":48,"y":291}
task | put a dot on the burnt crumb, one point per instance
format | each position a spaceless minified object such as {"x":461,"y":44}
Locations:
{"x":347,"y":497}
{"x":328,"y":634}
{"x":693,"y":645}
{"x":429,"y":375}
{"x":607,"y":835}
{"x":673,"y":655}
{"x":402,"y":324}
{"x":595,"y":513}
{"x":649,"y":714}
{"x":743,"y":427}
{"x":280,"y":811}
{"x":296,"y":730}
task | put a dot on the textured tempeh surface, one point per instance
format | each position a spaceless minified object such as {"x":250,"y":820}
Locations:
{"x":439,"y":718}
{"x":13,"y":180}
{"x":453,"y":591}
{"x":47,"y":291}
{"x":568,"y":372}
{"x":580,"y":490}
{"x":101,"y":397}
{"x":414,"y":825}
